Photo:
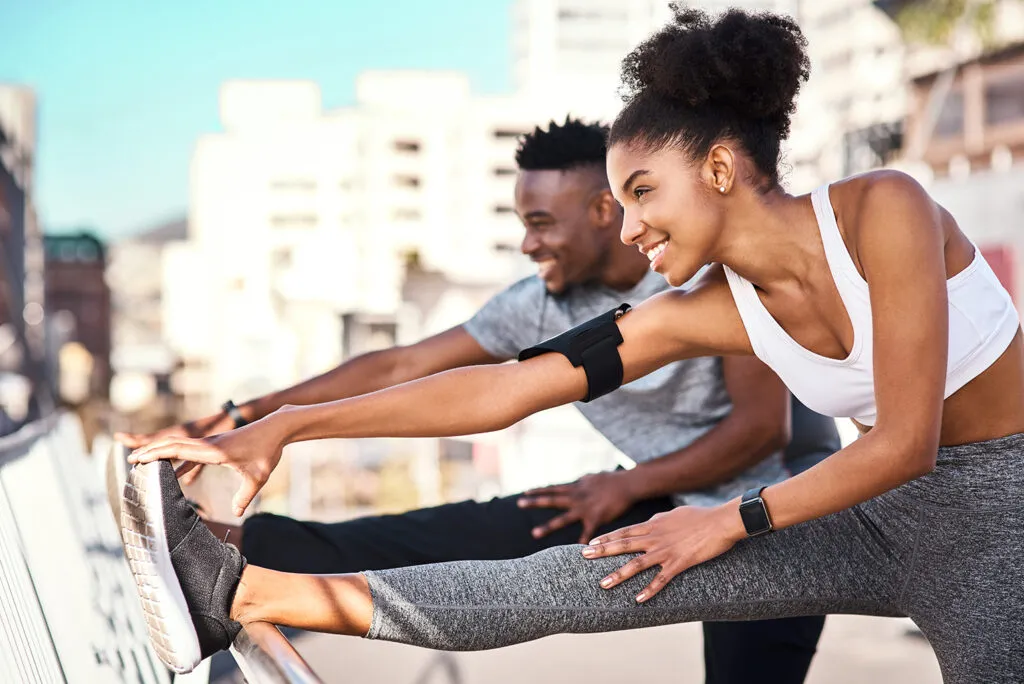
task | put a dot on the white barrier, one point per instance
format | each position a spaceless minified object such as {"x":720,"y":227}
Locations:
{"x":68,"y":605}
{"x":70,"y":612}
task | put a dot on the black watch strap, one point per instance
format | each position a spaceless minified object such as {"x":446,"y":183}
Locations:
{"x":229,"y":408}
{"x":754,"y":513}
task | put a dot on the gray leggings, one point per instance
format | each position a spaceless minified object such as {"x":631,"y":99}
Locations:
{"x":946,"y":550}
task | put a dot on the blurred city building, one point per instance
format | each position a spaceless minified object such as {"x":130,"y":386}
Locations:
{"x":973,"y":160}
{"x":78,"y":314}
{"x":142,"y":361}
{"x":24,"y":388}
{"x":849,"y":115}
{"x":569,"y":51}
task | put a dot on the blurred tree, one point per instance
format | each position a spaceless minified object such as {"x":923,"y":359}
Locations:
{"x":936,"y":22}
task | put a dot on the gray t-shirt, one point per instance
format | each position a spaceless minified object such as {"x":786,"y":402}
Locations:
{"x":650,"y":417}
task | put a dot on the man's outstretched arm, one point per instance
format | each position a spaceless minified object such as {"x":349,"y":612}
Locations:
{"x":453,"y":348}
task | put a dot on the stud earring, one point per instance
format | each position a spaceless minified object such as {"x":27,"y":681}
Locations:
{"x":721,"y":189}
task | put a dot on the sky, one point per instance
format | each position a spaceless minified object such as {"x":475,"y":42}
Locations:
{"x":125,"y":87}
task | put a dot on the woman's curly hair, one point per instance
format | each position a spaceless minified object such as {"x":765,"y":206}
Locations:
{"x":701,"y":80}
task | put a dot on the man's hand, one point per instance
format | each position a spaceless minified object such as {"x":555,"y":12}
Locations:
{"x":201,"y":427}
{"x":592,"y":500}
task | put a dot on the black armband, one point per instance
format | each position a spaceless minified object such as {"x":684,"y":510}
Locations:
{"x":593,"y":345}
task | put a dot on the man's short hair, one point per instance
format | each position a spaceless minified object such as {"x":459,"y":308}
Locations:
{"x":560,"y":147}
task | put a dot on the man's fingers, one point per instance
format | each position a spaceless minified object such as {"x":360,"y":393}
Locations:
{"x":550,"y":489}
{"x":657,"y":584}
{"x":546,"y":501}
{"x":131,"y":441}
{"x":556,"y":523}
{"x":633,"y":567}
{"x":589,"y":528}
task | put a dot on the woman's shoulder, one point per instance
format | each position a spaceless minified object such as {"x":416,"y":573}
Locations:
{"x":877,"y":202}
{"x":873,"y":187}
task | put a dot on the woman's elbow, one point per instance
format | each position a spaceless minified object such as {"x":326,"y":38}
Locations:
{"x":918,"y":457}
{"x":922,"y":463}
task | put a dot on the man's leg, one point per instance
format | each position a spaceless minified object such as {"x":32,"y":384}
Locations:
{"x":736,"y":652}
{"x":469,"y":530}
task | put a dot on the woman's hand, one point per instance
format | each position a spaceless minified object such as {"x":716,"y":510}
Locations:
{"x":676,"y":540}
{"x":202,"y":427}
{"x":253,"y":451}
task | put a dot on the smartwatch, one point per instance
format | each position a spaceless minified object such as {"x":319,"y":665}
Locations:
{"x":229,"y":408}
{"x":754,"y":513}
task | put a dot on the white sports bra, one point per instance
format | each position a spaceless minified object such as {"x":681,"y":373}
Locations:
{"x":982,"y":323}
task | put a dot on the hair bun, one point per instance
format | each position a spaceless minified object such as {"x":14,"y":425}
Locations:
{"x":751,"y":64}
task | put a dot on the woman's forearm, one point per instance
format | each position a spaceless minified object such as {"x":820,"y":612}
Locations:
{"x":868,"y":467}
{"x":376,"y":370}
{"x":457,"y":402}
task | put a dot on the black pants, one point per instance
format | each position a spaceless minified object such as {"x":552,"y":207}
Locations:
{"x":769,"y":651}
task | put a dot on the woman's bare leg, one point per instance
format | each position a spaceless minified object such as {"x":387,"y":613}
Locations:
{"x":339,"y":604}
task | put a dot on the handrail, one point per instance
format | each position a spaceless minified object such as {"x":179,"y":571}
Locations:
{"x":265,"y":656}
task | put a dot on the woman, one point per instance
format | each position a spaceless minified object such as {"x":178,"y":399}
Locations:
{"x":865,"y":297}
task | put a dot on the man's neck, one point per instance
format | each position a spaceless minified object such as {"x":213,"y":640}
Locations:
{"x":625,"y":269}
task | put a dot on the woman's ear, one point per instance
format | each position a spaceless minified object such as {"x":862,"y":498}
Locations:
{"x":720,"y":168}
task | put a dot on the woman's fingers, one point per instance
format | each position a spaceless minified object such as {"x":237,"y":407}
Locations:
{"x":188,"y":472}
{"x":176,"y":448}
{"x":616,"y":548}
{"x":638,"y":530}
{"x":247,"y":491}
{"x":633,"y":567}
{"x":657,"y":584}
{"x":183,"y":469}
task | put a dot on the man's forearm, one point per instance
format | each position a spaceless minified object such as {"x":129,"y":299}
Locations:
{"x":725,"y":451}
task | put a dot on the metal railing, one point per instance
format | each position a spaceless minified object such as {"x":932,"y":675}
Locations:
{"x":68,"y":606}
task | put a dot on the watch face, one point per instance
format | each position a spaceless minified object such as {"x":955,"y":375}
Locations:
{"x":755,"y":517}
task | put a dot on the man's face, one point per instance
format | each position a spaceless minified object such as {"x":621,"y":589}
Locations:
{"x":559,"y":210}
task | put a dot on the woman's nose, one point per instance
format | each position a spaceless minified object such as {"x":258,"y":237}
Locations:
{"x":632,"y":229}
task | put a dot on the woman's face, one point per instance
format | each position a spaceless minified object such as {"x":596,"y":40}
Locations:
{"x":670,"y":209}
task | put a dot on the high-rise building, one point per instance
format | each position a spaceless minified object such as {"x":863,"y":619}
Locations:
{"x":22,"y":323}
{"x":570,"y":51}
{"x":78,"y":308}
{"x":304,"y":225}
{"x":849,"y":114}
{"x":324,"y":210}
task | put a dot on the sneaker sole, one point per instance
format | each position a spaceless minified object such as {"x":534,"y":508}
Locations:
{"x":145,"y":544}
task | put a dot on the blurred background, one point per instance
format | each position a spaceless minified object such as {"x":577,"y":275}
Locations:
{"x":202,"y":201}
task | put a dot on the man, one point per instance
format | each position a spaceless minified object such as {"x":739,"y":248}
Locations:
{"x":701,"y":431}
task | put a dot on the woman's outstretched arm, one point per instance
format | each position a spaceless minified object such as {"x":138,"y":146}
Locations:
{"x":668,"y":327}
